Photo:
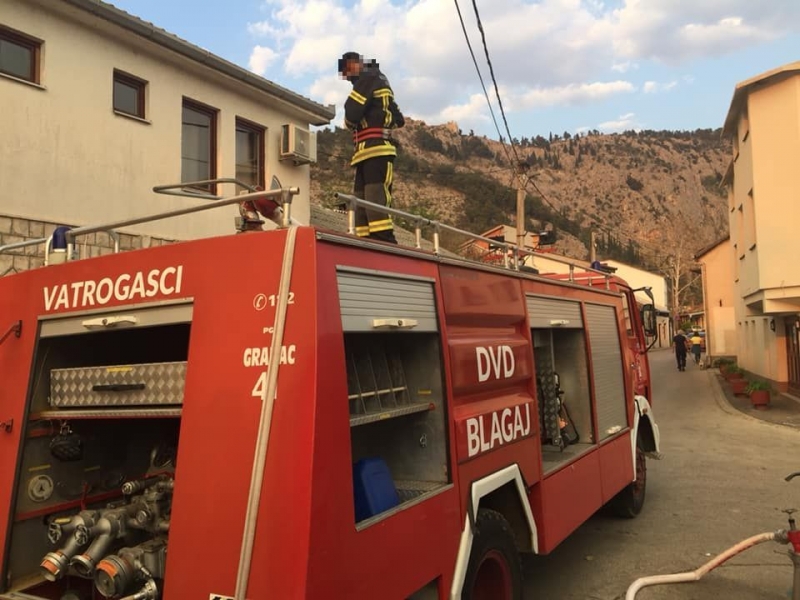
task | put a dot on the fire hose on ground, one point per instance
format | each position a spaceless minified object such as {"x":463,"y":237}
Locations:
{"x":781,"y":536}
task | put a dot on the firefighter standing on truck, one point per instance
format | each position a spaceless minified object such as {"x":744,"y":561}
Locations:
{"x":371,"y":112}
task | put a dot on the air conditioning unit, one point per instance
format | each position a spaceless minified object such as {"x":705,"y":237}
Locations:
{"x":298,"y":144}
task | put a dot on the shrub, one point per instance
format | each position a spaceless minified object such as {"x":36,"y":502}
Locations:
{"x":757,"y":385}
{"x":634,"y":183}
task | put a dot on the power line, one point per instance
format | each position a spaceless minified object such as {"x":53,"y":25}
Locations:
{"x":494,"y":81}
{"x":480,"y":77}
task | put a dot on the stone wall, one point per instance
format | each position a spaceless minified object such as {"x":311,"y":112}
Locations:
{"x":13,"y":230}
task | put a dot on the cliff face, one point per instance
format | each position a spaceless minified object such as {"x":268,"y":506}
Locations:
{"x":640,"y":192}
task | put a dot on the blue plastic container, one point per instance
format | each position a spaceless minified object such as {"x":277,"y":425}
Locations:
{"x":373,"y":488}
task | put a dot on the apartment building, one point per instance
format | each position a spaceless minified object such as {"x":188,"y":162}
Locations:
{"x":763,"y":127}
{"x":98,"y":107}
{"x":716,"y":264}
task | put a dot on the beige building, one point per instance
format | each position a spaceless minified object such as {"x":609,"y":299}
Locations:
{"x":716,"y":264}
{"x":99,"y":106}
{"x":763,"y":126}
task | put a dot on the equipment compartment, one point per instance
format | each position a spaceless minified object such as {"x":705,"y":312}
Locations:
{"x":397,"y":414}
{"x":93,"y":496}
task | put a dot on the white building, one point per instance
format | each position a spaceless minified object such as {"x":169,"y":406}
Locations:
{"x":99,"y":106}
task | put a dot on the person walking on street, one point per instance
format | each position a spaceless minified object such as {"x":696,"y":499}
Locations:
{"x":680,"y":342}
{"x":696,"y":341}
{"x":371,"y":112}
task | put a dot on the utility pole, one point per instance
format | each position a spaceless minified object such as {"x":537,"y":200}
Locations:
{"x":522,"y":169}
{"x":592,"y":249}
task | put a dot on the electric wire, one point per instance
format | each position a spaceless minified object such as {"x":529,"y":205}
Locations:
{"x":528,"y":179}
{"x":483,"y":85}
{"x":494,"y":80}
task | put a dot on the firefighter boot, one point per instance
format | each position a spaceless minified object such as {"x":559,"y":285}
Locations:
{"x":384,"y":236}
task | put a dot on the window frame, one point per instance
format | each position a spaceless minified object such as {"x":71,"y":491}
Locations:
{"x":29,"y":42}
{"x":213,"y":115}
{"x":261,"y":132}
{"x":131,"y":81}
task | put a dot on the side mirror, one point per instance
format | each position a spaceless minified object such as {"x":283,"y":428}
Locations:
{"x":649,"y":320}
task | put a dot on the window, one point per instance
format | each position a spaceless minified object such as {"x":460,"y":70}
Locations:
{"x":249,"y":153}
{"x":129,"y":94}
{"x":199,"y":144}
{"x":19,"y":55}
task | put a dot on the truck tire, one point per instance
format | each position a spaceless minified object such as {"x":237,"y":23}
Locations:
{"x":630,"y":501}
{"x":494,"y":571}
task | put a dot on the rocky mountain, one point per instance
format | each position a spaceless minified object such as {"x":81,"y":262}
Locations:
{"x":646,"y":194}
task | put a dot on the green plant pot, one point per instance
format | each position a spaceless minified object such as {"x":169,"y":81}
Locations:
{"x":760,"y":399}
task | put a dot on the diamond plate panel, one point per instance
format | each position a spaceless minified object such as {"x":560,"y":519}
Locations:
{"x":151,"y":384}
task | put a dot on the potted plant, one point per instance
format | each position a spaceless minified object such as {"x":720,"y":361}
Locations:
{"x":739,"y":386}
{"x":734,"y":372}
{"x":724,"y":364}
{"x":759,"y":394}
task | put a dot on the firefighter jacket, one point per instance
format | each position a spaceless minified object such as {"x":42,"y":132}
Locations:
{"x":371,"y":112}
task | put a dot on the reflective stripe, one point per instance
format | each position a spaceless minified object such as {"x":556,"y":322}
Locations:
{"x":362,"y":230}
{"x":382,"y":225}
{"x":383,"y":92}
{"x":387,"y":182}
{"x":371,"y":133}
{"x":387,"y":114}
{"x":372,"y":152}
{"x":358,"y":97}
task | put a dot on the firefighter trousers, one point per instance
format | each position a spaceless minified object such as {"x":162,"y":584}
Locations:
{"x":373,"y":183}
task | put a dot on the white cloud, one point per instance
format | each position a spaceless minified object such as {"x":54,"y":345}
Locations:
{"x":674,"y":31}
{"x":544,"y":52}
{"x":623,"y":123}
{"x":474,"y":110}
{"x":261,"y":58}
{"x":653,"y":87}
{"x":575,"y":93}
{"x":624,"y":67}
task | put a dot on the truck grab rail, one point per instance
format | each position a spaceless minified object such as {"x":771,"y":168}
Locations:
{"x":47,"y":241}
{"x":285,"y":194}
{"x":353,"y":202}
{"x":182,"y":188}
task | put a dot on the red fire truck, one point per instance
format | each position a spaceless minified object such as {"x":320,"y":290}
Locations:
{"x":298,"y":413}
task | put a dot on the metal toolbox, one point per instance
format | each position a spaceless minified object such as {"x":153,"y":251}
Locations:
{"x":150,"y":384}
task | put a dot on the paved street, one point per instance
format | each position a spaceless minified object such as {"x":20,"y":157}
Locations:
{"x":721,"y":481}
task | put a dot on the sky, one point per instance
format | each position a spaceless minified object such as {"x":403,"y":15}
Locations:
{"x":560,"y":65}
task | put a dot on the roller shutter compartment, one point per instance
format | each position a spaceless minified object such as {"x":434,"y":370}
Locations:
{"x":609,"y":382}
{"x":551,"y":312}
{"x":374,"y":302}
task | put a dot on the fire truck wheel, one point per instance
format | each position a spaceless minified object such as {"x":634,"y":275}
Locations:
{"x":495,"y":569}
{"x":629,"y":502}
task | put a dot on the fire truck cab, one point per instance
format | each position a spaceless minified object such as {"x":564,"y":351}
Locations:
{"x":298,"y":413}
